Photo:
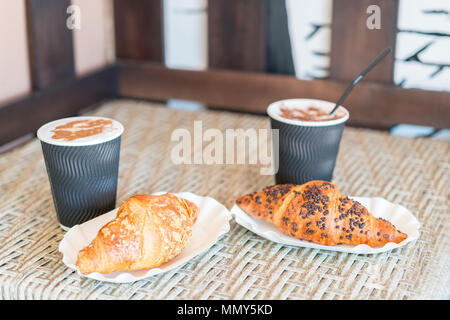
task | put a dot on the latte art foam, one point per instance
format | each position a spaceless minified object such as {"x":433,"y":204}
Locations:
{"x":81,"y":129}
{"x":307,"y":112}
{"x":77,"y":131}
{"x":310,"y":113}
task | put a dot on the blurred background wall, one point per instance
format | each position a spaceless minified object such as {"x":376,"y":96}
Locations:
{"x":185,"y":40}
{"x":422,"y":54}
{"x":14,"y":68}
{"x":93,"y":43}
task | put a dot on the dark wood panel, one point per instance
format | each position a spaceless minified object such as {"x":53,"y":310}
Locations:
{"x":63,"y":99}
{"x":278,"y":43}
{"x":49,"y":41}
{"x":138,"y":29}
{"x":236,"y":34}
{"x":354,"y":45}
{"x":370,"y":103}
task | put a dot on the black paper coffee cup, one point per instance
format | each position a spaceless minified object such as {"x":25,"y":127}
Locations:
{"x":307,"y":150}
{"x":83,"y":173}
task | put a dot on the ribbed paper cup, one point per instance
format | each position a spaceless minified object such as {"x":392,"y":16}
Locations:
{"x":83,"y":173}
{"x":307,"y":149}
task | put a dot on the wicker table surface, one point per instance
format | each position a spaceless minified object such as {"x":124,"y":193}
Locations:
{"x":241,"y":265}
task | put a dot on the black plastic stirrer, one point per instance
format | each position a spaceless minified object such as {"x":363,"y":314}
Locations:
{"x":358,"y":78}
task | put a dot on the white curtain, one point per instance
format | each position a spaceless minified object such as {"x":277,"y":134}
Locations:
{"x":310,"y":32}
{"x":185,"y":40}
{"x":422,"y":58}
{"x":422,"y":50}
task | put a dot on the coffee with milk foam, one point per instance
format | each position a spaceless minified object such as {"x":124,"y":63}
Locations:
{"x":80,"y":131}
{"x":81,"y":156}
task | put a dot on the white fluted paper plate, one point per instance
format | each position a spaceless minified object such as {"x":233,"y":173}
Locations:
{"x":212,"y":222}
{"x":398,"y":215}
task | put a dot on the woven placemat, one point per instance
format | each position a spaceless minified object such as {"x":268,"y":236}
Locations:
{"x":241,"y":265}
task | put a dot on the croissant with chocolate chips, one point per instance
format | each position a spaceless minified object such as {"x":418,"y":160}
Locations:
{"x":147,"y":231}
{"x":316,"y":211}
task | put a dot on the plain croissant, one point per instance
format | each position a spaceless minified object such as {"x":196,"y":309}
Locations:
{"x":147,"y":231}
{"x":316,"y":211}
